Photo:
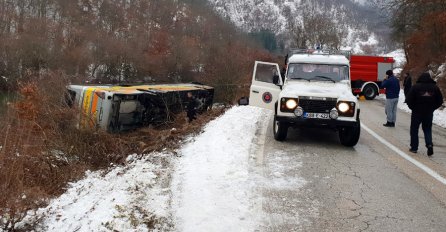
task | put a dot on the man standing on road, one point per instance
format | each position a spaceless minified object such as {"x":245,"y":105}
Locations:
{"x":407,"y":84}
{"x":392,"y":86}
{"x":423,"y":99}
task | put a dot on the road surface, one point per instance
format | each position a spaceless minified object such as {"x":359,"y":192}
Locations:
{"x":370,"y":187}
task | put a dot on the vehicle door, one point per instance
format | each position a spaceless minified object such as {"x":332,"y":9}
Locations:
{"x":266,"y":85}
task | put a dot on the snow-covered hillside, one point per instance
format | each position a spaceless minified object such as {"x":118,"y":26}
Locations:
{"x":253,"y":15}
{"x":282,"y":16}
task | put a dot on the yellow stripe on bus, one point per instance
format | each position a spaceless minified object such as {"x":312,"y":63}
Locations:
{"x":86,"y":104}
{"x":93,"y":110}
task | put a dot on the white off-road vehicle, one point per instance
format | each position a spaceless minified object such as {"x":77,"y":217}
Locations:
{"x":314,"y":91}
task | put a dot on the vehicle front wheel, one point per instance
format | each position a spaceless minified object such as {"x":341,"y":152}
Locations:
{"x":349,"y":136}
{"x":280,"y":130}
{"x":370,"y":92}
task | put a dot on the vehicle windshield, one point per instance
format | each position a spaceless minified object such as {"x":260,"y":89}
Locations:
{"x":319,"y":72}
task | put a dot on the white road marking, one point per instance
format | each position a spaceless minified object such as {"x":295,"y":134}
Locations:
{"x":406,"y":156}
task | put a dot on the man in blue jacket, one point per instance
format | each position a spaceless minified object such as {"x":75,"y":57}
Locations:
{"x":392,"y":86}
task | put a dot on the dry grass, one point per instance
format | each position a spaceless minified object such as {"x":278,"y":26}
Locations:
{"x":146,"y":140}
{"x":42,"y":150}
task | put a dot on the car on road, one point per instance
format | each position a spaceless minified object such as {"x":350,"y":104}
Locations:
{"x":315,"y":91}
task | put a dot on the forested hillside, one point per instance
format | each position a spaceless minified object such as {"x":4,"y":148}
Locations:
{"x":419,"y":25}
{"x":343,"y":24}
{"x":121,"y":41}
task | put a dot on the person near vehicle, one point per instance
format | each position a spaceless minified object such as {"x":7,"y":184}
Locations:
{"x":392,"y":86}
{"x":283,"y":72}
{"x":407,"y":84}
{"x":192,"y":106}
{"x":423,"y":99}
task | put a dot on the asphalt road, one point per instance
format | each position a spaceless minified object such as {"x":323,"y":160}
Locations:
{"x":316,"y":184}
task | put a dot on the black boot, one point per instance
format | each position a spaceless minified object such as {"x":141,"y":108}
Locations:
{"x":388,"y":124}
{"x":430,"y":150}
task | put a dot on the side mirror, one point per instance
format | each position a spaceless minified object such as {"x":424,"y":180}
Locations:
{"x":276,"y":79}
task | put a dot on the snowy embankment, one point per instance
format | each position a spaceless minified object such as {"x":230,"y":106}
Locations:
{"x":128,"y":198}
{"x":211,"y":189}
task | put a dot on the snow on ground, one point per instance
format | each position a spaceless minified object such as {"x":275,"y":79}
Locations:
{"x":439,"y":115}
{"x":212,"y":186}
{"x":125,"y":199}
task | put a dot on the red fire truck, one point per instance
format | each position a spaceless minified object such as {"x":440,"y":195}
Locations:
{"x":367,"y":74}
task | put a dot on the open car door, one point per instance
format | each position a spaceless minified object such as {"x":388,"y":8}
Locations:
{"x":266,"y":85}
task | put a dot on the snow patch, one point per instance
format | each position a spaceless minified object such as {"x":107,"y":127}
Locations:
{"x":125,"y":199}
{"x":278,"y":179}
{"x":399,"y":56}
{"x":356,"y":44}
{"x":441,"y":72}
{"x":212,"y":186}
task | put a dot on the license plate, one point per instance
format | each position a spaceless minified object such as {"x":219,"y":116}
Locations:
{"x":317,"y":115}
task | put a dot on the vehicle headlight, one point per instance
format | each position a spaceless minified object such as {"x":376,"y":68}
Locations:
{"x":291,"y":104}
{"x":343,"y":107}
{"x":346,"y":108}
{"x":288,"y":105}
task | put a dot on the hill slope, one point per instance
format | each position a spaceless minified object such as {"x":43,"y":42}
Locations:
{"x":351,"y":24}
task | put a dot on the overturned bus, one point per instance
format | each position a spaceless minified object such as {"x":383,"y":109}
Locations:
{"x":121,"y":108}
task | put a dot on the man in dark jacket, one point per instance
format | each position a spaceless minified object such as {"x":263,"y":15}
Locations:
{"x":192,"y":106}
{"x":407,"y":84}
{"x":423,"y":99}
{"x":392,"y":86}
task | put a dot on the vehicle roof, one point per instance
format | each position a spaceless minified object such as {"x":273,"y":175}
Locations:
{"x":318,"y":59}
{"x":136,"y":89}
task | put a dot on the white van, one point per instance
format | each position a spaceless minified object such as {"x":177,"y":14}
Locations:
{"x":315,"y":91}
